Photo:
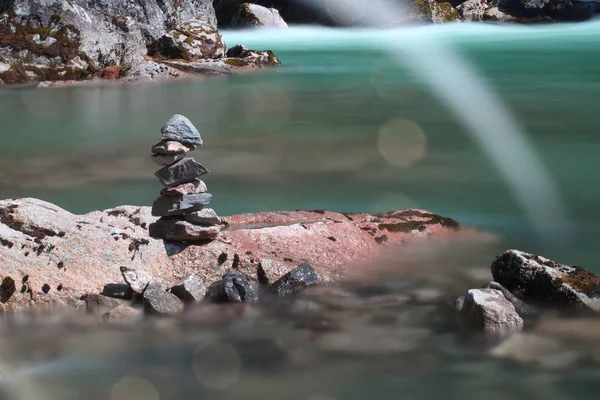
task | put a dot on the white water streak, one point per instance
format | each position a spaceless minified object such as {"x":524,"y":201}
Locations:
{"x":465,"y":92}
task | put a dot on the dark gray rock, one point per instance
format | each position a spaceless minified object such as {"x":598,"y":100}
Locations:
{"x":487,"y":311}
{"x":190,"y":290}
{"x":117,"y":290}
{"x":546,"y":283}
{"x":237,"y":51}
{"x":137,"y":280}
{"x":181,"y":129}
{"x":158,"y":301}
{"x":206,"y":216}
{"x":184,"y":170}
{"x":524,"y":310}
{"x":251,"y":15}
{"x":550,"y":9}
{"x":234,"y":287}
{"x":192,"y":187}
{"x":294,"y":281}
{"x":175,"y":230}
{"x":179,"y":205}
{"x":171,"y":147}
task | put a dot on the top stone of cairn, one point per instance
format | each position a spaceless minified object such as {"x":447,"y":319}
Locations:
{"x":181,"y":129}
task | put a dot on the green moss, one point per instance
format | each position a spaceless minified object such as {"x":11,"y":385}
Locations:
{"x":447,"y":12}
{"x":189,"y":40}
{"x":584,"y":281}
{"x":235,"y":62}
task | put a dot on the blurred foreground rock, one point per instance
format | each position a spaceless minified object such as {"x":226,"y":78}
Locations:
{"x":51,"y":257}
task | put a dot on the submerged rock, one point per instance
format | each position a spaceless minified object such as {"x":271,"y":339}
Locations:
{"x":546,"y":283}
{"x":294,"y":281}
{"x":253,"y":15}
{"x":179,"y":205}
{"x":184,"y":170}
{"x":174,"y":230}
{"x":190,"y":290}
{"x":488,"y":311}
{"x":234,"y":287}
{"x":158,"y":301}
{"x":181,"y":129}
{"x":137,"y":280}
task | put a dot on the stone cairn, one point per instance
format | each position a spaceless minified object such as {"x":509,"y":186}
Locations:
{"x":181,"y":205}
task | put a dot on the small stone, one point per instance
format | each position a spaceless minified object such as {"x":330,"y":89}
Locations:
{"x":195,"y":186}
{"x":117,"y":290}
{"x":171,"y":147}
{"x":181,"y":171}
{"x":190,"y":290}
{"x":234,"y":287}
{"x":181,"y":129}
{"x":97,"y":303}
{"x":488,"y":311}
{"x":237,"y":51}
{"x":137,"y":280}
{"x":522,"y":308}
{"x":266,"y":272}
{"x":166,"y":159}
{"x":158,"y":301}
{"x":172,"y":205}
{"x":123,"y":312}
{"x":174,"y":230}
{"x":206,"y":216}
{"x":294,"y":281}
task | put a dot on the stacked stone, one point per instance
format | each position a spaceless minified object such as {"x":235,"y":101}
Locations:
{"x":181,"y":205}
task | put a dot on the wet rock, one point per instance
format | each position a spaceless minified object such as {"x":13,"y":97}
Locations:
{"x":237,"y":51}
{"x":522,"y":308}
{"x":191,"y":42}
{"x":190,"y":290}
{"x":158,"y":301}
{"x":543,"y":282}
{"x":117,"y":290}
{"x":253,"y":15}
{"x":251,"y":60}
{"x":174,"y":230}
{"x":181,"y":129}
{"x":123,"y":312}
{"x":152,"y":71}
{"x":171,"y":147}
{"x":195,"y":186}
{"x":179,"y":205}
{"x":234,"y":287}
{"x":184,"y":170}
{"x":294,"y":281}
{"x":206,"y":216}
{"x":488,"y":311}
{"x":166,"y":159}
{"x":137,"y":280}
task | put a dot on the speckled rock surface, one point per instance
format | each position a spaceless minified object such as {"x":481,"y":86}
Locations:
{"x":43,"y":244}
{"x":254,"y":15}
{"x":488,"y":311}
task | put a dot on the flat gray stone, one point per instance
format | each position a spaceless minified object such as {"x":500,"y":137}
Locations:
{"x":137,"y":280}
{"x":174,"y":230}
{"x":206,"y":216}
{"x":158,"y":301}
{"x":184,"y":170}
{"x":171,"y":147}
{"x":193,"y":187}
{"x":181,"y":129}
{"x":172,"y":205}
{"x":487,"y":311}
{"x":190,"y":290}
{"x":166,"y":159}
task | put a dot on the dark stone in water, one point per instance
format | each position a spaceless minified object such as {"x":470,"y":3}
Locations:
{"x":178,"y":205}
{"x":294,"y":281}
{"x":237,"y":51}
{"x":158,"y":301}
{"x":181,"y":129}
{"x":190,"y":290}
{"x":184,"y":170}
{"x":234,"y":287}
{"x":117,"y":290}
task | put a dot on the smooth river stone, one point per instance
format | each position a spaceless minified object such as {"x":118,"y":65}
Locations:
{"x":171,"y":147}
{"x":175,"y":230}
{"x":206,"y":216}
{"x":178,"y":205}
{"x":184,"y":170}
{"x":166,"y":159}
{"x":193,"y":187}
{"x":181,"y":129}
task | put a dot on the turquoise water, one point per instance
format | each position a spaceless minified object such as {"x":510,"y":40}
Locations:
{"x":342,"y":126}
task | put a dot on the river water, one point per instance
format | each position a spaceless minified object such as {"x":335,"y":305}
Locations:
{"x":339,"y":126}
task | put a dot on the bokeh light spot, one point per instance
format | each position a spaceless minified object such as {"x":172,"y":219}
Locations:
{"x":216,"y":365}
{"x":402,"y":143}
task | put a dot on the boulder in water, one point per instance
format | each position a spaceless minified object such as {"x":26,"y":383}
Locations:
{"x":488,"y":311}
{"x":254,"y":15}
